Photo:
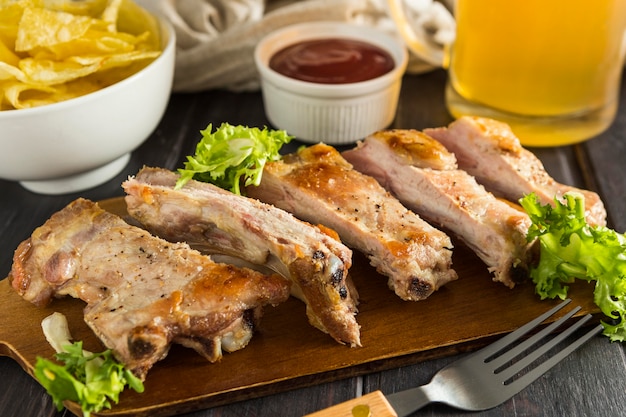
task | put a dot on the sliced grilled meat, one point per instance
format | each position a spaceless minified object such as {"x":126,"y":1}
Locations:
{"x":142,"y":292}
{"x":490,"y":151}
{"x":217,"y":221}
{"x":317,"y":185}
{"x":423,"y":175}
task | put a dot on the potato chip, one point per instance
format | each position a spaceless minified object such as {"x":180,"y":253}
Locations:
{"x":52,"y":28}
{"x":93,"y":8}
{"x":23,"y":96}
{"x":137,"y":21}
{"x":93,"y":43}
{"x":7,"y":55}
{"x":48,"y":72}
{"x":53,"y":50}
{"x":10,"y":72}
{"x":110,"y":14}
{"x":10,"y":16}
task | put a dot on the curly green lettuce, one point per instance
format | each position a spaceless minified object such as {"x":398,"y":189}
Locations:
{"x":93,"y":380}
{"x":233,"y":155}
{"x":572,"y":249}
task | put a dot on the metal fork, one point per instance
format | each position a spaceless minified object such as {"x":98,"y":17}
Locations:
{"x":481,"y":380}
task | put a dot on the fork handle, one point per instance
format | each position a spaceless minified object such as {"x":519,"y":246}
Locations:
{"x":373,"y":404}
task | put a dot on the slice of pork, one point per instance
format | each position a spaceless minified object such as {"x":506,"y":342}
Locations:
{"x":217,"y":221}
{"x":317,"y":185}
{"x":423,"y":175}
{"x":142,"y":293}
{"x":490,"y":151}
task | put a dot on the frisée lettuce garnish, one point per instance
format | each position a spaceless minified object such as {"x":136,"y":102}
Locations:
{"x":572,"y":249}
{"x":232,"y":155}
{"x":93,"y":380}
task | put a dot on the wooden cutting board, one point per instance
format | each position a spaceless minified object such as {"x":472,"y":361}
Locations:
{"x":288,"y":353}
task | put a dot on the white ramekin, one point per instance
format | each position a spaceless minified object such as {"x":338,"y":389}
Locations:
{"x":330,"y":113}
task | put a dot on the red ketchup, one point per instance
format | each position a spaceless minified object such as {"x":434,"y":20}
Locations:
{"x":332,"y":61}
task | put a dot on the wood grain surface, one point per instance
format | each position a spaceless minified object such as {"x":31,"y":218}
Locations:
{"x":287,"y":352}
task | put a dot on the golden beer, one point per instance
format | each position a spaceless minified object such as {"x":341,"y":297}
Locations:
{"x":550,"y":68}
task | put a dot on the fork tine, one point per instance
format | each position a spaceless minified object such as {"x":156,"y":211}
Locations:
{"x":497,"y":362}
{"x":469,"y":384}
{"x":535,"y":354}
{"x":526,"y":379}
{"x":492,"y":349}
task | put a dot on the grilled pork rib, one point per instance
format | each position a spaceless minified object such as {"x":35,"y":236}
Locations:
{"x":142,"y":292}
{"x":317,"y":185}
{"x":423,"y":175}
{"x":490,"y":151}
{"x":218,"y":221}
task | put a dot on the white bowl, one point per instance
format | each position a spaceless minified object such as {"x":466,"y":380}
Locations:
{"x":80,"y":143}
{"x":331,"y":113}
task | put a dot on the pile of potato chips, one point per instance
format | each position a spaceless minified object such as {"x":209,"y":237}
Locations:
{"x":54,"y":50}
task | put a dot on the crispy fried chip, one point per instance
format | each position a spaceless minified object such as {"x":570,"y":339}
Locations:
{"x":54,"y":50}
{"x":111,"y":14}
{"x":10,"y":16}
{"x":6,"y":55}
{"x":47,"y":72}
{"x":22,"y":96}
{"x":10,"y":72}
{"x":42,"y":27}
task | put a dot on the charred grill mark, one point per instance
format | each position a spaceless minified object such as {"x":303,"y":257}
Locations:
{"x":343,"y":292}
{"x":336,"y":277}
{"x":205,"y":345}
{"x":420,"y":288}
{"x":249,"y":319}
{"x":318,"y":254}
{"x":337,"y":281}
{"x":140,"y":347}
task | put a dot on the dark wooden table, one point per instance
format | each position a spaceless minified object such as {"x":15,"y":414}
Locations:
{"x":591,"y":382}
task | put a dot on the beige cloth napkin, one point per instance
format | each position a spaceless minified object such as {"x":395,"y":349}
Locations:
{"x":216,"y":38}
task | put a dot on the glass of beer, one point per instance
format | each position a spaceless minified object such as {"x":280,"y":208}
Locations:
{"x":550,"y":69}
